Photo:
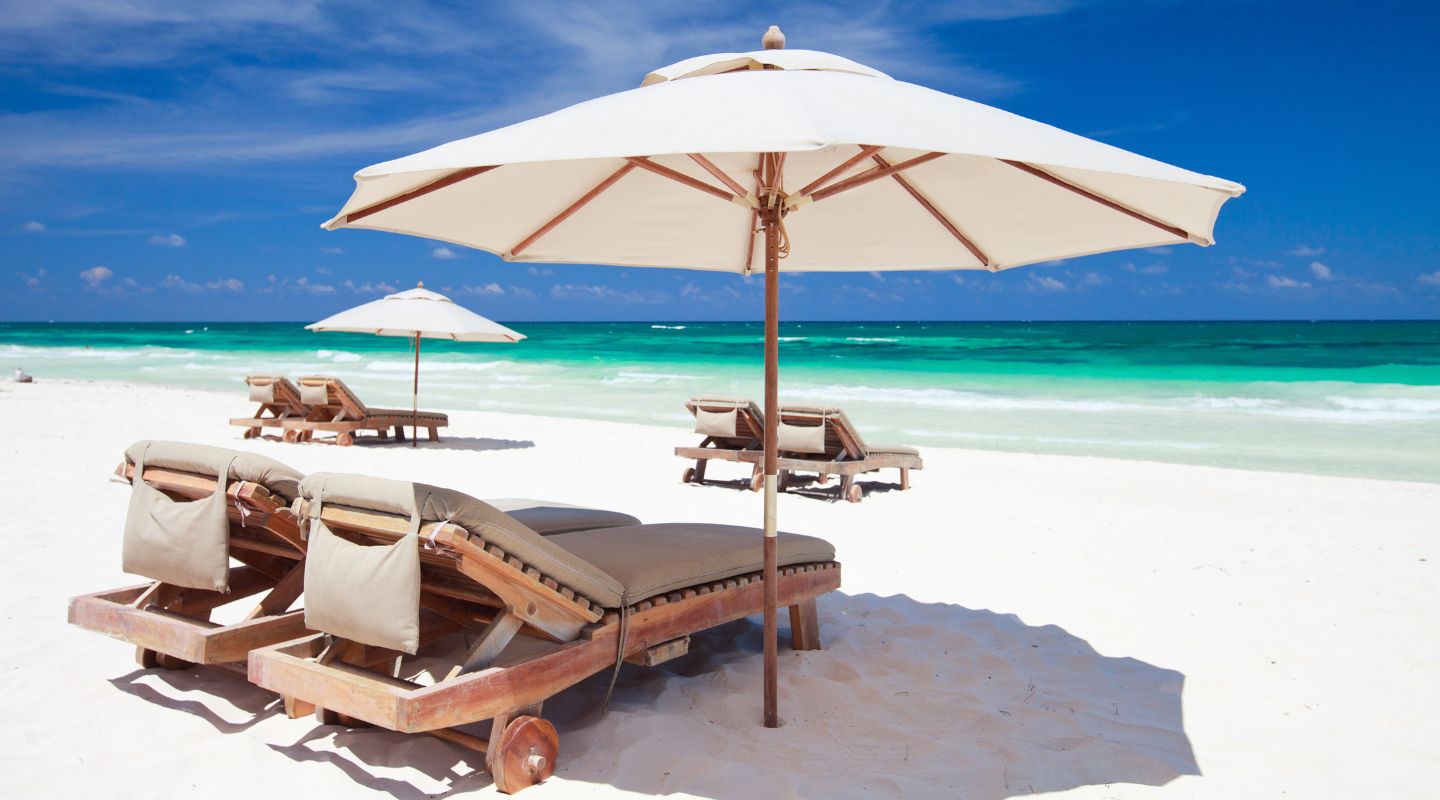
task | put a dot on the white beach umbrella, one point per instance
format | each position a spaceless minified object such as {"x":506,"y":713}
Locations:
{"x":418,"y":314}
{"x":785,"y":160}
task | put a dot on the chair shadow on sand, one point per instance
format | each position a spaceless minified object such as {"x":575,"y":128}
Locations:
{"x":809,"y":486}
{"x":471,"y":443}
{"x":907,"y":699}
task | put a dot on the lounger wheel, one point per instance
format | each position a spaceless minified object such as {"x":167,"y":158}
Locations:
{"x":345,"y":439}
{"x":688,"y":476}
{"x":150,"y":659}
{"x":854,"y":493}
{"x":822,"y":479}
{"x":525,"y":754}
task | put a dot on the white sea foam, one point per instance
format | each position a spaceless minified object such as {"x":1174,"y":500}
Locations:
{"x":668,"y":327}
{"x":648,"y":377}
{"x":870,"y":339}
{"x":337,"y":356}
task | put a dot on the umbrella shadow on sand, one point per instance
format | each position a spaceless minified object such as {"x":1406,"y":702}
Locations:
{"x":907,"y":699}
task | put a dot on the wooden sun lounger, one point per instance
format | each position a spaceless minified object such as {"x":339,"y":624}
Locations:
{"x":344,"y":414}
{"x":170,"y":625}
{"x":574,"y":637}
{"x":748,"y":437}
{"x":845,"y":454}
{"x":279,"y":401}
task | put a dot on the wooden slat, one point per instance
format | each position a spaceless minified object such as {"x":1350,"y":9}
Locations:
{"x":1104,"y":201}
{"x":936,"y":213}
{"x":440,"y":183}
{"x":872,"y":174}
{"x":680,"y":177}
{"x":571,"y":209}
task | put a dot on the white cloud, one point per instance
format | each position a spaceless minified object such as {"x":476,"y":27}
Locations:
{"x":379,"y":287}
{"x":33,"y":281}
{"x":169,"y":240}
{"x":333,"y":251}
{"x":95,"y":276}
{"x":1305,"y":251}
{"x":1431,"y":278}
{"x":323,"y":270}
{"x":444,"y":253}
{"x":226,"y":285}
{"x":314,"y":288}
{"x":1047,"y":283}
{"x":1321,"y":271}
{"x":178,"y":283}
{"x":1285,"y":282}
{"x":1148,"y":269}
{"x":600,"y":292}
{"x":491,"y":289}
{"x":34,"y":227}
{"x":540,"y":272}
{"x":1094,"y":279}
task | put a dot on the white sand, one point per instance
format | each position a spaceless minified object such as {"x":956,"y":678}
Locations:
{"x":1012,"y":624}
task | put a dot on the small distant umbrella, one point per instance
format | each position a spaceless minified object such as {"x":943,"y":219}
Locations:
{"x":417,"y":313}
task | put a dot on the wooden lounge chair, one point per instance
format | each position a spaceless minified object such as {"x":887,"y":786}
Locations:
{"x":279,"y":401}
{"x":836,"y":449}
{"x":583,"y":599}
{"x":334,"y":408}
{"x":730,"y":427}
{"x":170,"y":625}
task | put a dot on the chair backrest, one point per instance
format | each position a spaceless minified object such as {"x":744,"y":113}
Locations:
{"x":841,"y":436}
{"x":278,"y":393}
{"x":200,"y":459}
{"x":749,"y":419}
{"x":338,"y":398}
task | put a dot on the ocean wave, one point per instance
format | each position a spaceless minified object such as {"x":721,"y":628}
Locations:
{"x":668,"y":327}
{"x":870,"y":339}
{"x":338,"y":356}
{"x":649,"y":377}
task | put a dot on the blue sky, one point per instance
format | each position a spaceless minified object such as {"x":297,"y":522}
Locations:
{"x":173,"y":160}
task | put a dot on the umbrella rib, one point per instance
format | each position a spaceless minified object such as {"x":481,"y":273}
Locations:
{"x":440,"y":183}
{"x":1104,"y":201}
{"x":571,"y":209}
{"x":680,"y":177}
{"x":938,"y":215}
{"x":866,"y":151}
{"x":754,"y":220}
{"x":872,"y":174}
{"x":719,"y":174}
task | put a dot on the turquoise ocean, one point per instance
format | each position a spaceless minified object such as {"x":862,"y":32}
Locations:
{"x":1337,"y":398}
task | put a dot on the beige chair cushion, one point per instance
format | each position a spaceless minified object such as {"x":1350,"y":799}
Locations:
{"x":493,"y":525}
{"x":314,"y":394}
{"x":368,"y":594}
{"x":892,"y":449}
{"x":546,"y":517}
{"x":262,"y":390}
{"x":801,"y":438}
{"x":206,"y":460}
{"x":716,"y":423}
{"x":184,"y":543}
{"x":655,"y":559}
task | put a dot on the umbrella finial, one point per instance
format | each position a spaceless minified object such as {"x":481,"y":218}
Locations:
{"x":419,"y":284}
{"x":773,"y":39}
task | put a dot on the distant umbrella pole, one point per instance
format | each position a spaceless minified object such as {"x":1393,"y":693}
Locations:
{"x":415,"y":398}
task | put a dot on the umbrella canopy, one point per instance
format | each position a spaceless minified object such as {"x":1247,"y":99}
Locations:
{"x":418,"y":314}
{"x":795,"y":160}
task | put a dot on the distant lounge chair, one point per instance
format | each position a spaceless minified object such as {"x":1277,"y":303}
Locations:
{"x":824,"y":441}
{"x":585,"y":599}
{"x":279,"y":401}
{"x":811,"y":439}
{"x":731,"y":427}
{"x":169,"y":623}
{"x":335,"y":408}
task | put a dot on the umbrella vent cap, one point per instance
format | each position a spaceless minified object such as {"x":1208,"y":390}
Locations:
{"x":773,"y":39}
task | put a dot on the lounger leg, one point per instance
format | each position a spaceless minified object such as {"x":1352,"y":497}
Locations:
{"x":700,"y":469}
{"x":904,"y":478}
{"x":434,"y":434}
{"x":399,"y":433}
{"x":805,"y":625}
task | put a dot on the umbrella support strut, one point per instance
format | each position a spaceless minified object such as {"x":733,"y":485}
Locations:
{"x":771,"y":217}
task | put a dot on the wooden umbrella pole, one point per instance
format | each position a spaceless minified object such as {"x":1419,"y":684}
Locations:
{"x":415,"y":398}
{"x":771,"y":216}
